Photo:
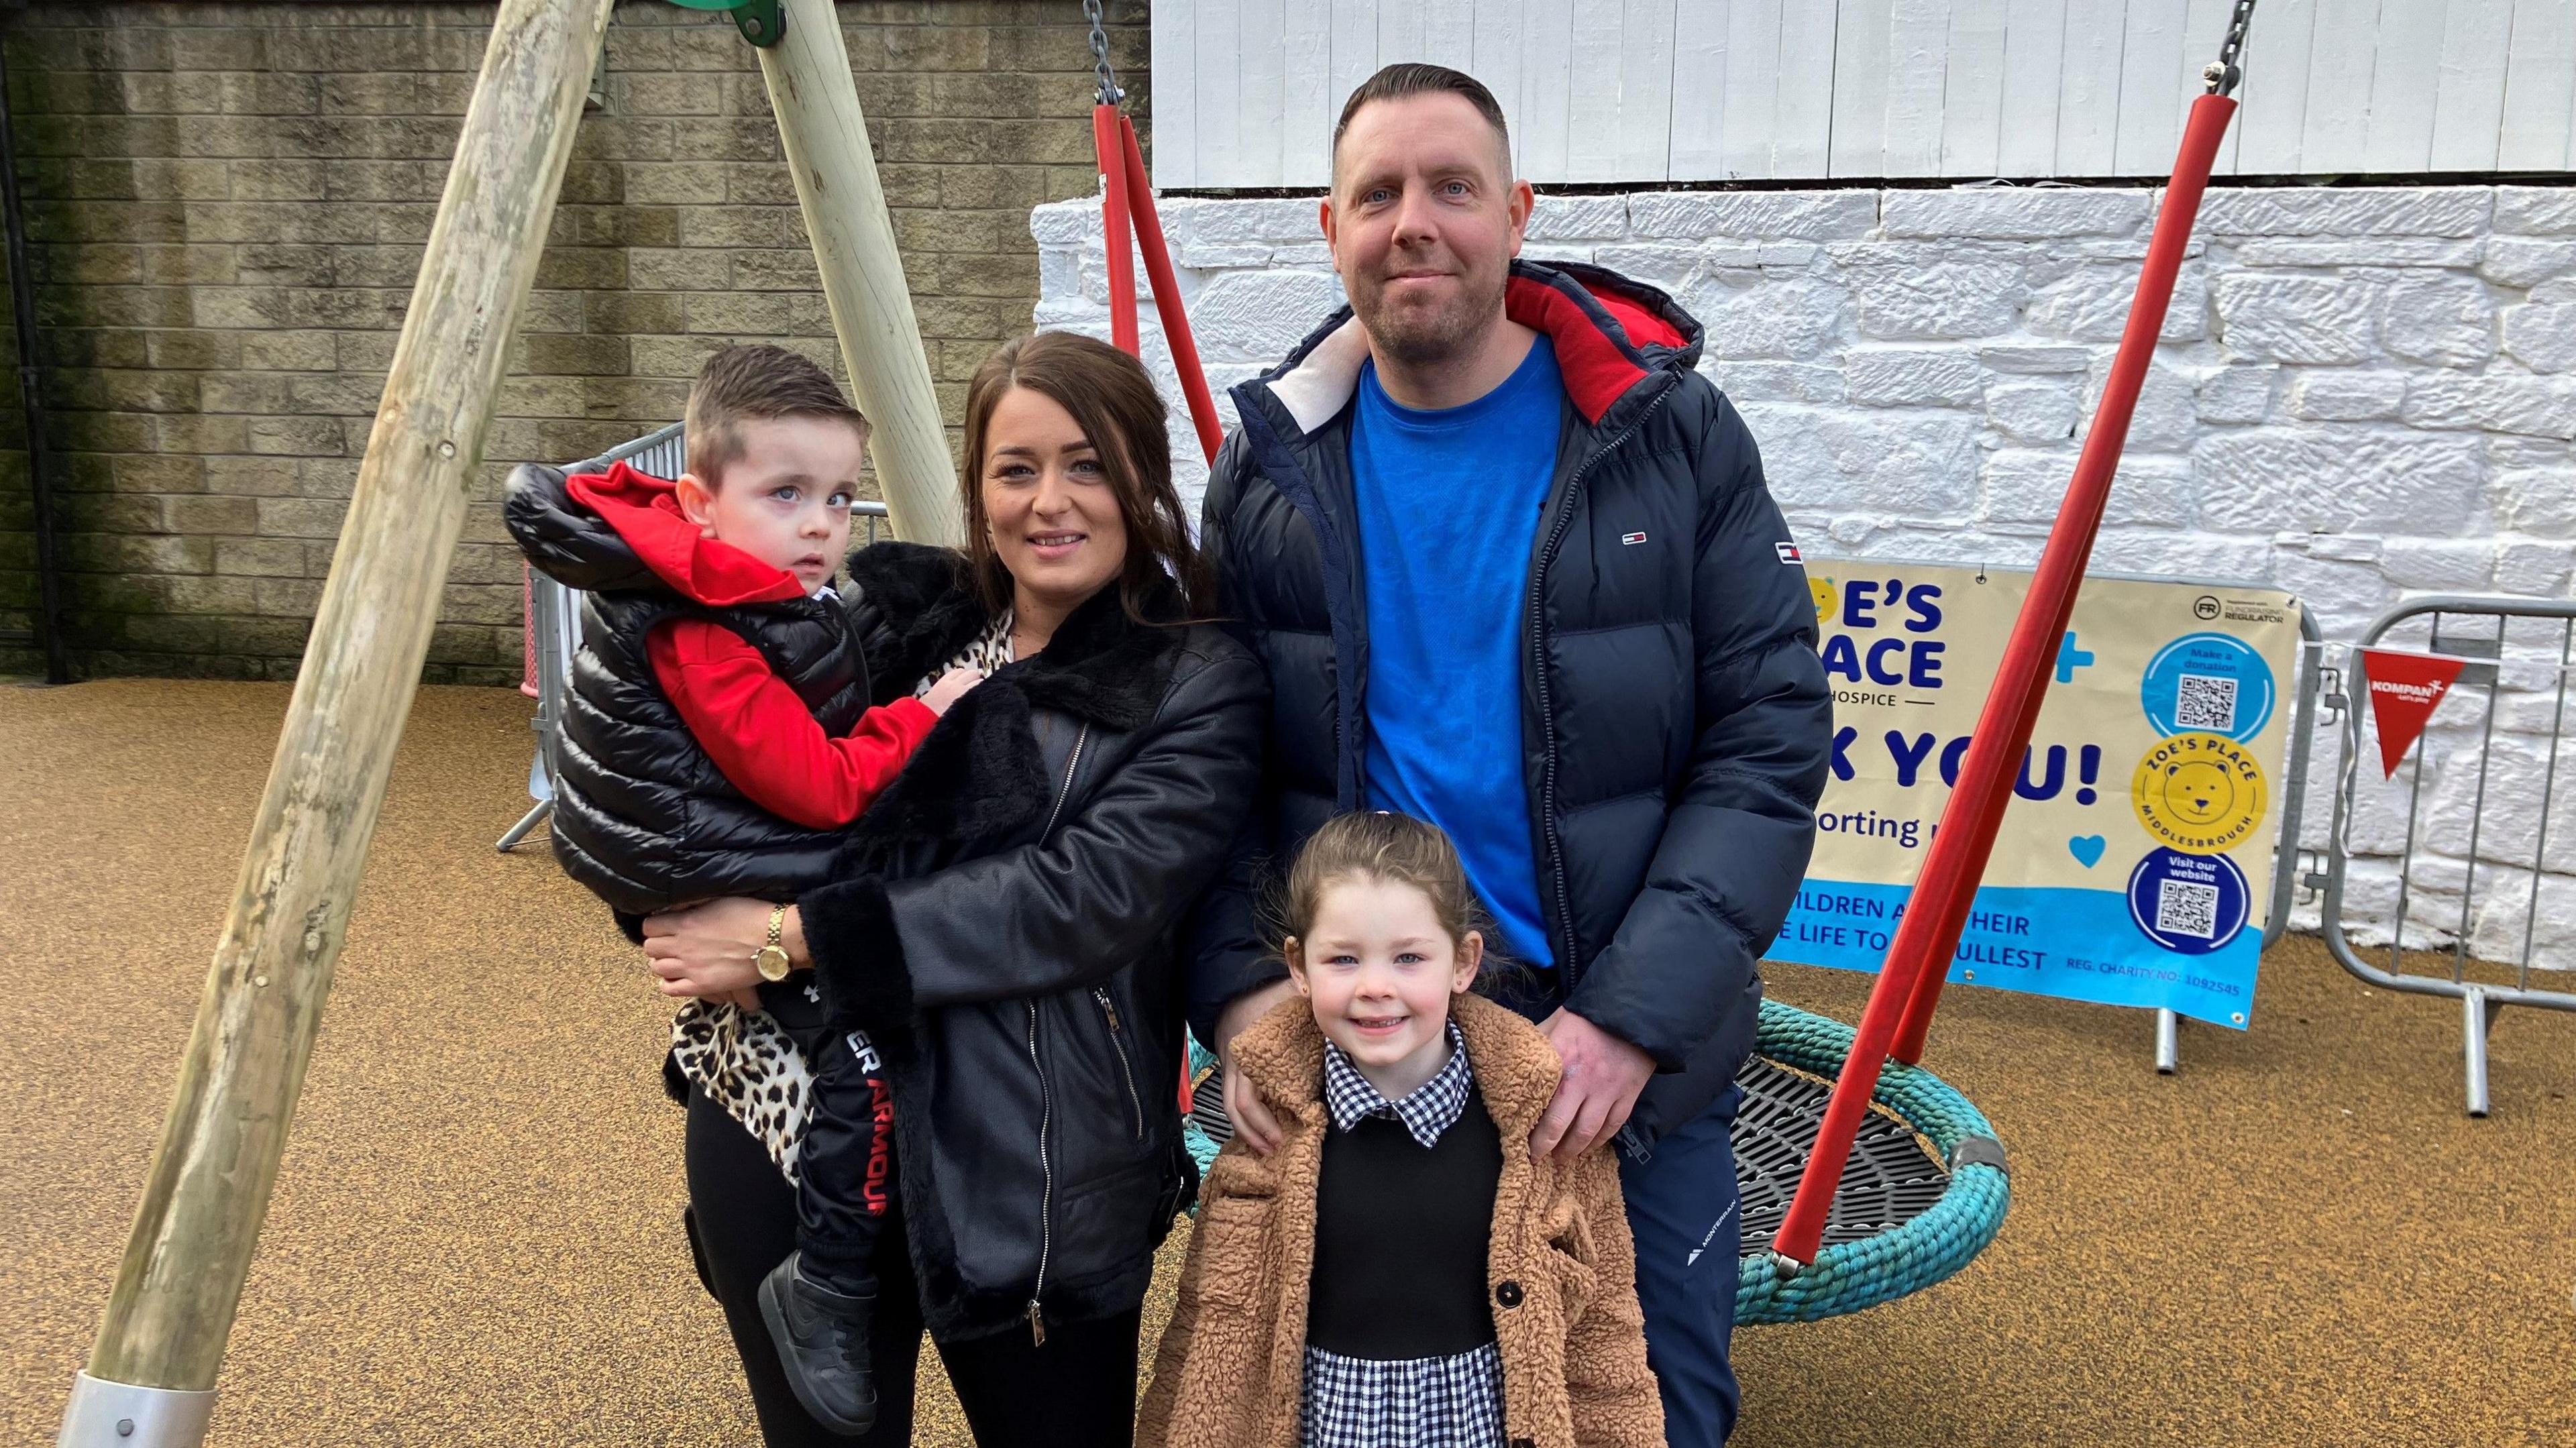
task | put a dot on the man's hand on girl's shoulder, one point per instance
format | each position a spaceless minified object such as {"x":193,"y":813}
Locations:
{"x":1603,"y":1078}
{"x":1254,"y":1126}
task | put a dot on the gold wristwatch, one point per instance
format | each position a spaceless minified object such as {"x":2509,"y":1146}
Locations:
{"x":771,"y":959}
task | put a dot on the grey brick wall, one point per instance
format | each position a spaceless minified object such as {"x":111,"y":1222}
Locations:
{"x":227,"y":205}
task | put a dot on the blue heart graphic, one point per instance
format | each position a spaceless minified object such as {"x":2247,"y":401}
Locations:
{"x":2087,"y":848}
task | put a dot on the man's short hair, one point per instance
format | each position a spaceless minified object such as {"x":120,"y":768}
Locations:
{"x":1417,"y":78}
{"x":756,"y":383}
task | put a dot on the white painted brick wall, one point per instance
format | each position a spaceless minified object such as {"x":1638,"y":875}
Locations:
{"x":2362,"y":394}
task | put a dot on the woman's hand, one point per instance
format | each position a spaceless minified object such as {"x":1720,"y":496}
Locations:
{"x":706,"y":950}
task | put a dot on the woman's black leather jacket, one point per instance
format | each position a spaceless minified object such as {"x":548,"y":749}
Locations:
{"x":1005,"y":925}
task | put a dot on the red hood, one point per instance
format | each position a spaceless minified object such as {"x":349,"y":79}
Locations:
{"x":1597,"y":369}
{"x":645,"y":511}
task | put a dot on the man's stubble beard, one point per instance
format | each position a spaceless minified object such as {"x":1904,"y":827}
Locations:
{"x":1419,"y":339}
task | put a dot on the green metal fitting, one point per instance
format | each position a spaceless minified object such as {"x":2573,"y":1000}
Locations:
{"x":760,"y":21}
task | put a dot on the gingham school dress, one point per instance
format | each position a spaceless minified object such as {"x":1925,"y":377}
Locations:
{"x":1455,"y":1401}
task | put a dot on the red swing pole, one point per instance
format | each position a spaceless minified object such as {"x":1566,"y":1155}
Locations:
{"x":1127,"y":197}
{"x":1909,"y":982}
{"x":1105,"y":121}
{"x":1167,"y":295}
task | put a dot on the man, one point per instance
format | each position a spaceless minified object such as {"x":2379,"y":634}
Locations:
{"x":1513,"y":569}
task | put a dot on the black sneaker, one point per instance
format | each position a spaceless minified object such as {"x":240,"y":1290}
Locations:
{"x":822,"y":1338}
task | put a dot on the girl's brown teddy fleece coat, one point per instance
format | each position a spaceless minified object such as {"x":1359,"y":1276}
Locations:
{"x":1561,"y":1272}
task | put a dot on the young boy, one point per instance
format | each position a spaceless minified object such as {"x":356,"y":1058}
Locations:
{"x":716,"y":742}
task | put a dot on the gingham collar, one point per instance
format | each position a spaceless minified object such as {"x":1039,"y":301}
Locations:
{"x":1426,"y":1111}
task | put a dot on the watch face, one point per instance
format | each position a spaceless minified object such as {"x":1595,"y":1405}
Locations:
{"x":771,"y":962}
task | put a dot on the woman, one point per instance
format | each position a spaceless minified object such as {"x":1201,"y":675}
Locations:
{"x":1003,"y":924}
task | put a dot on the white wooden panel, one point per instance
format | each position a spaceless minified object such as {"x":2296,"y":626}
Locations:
{"x":1448,"y":34}
{"x":1261,"y":82}
{"x":2403,"y":87}
{"x":2088,"y":88}
{"x":1548,"y":82}
{"x":1306,"y":124}
{"x":1223,"y":158}
{"x":2151,"y":64}
{"x":1749,"y":102}
{"x":2539,"y":86}
{"x":2275,"y":93}
{"x":1645,"y":89}
{"x":1696,"y":116}
{"x":2468,"y":101}
{"x":1918,"y":43}
{"x":1592,"y":104}
{"x":2034,"y":47}
{"x":1175,"y":96}
{"x":1972,"y":110}
{"x":1647,"y":92}
{"x":1857,"y":144}
{"x":1804,"y":116}
{"x":1399,"y":33}
{"x":2339,"y":65}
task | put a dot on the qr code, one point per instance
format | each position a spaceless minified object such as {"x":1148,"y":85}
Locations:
{"x":2183,"y":908}
{"x":2205,"y":702}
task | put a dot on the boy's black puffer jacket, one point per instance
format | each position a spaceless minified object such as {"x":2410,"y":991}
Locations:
{"x":643,"y":816}
{"x":1675,"y":721}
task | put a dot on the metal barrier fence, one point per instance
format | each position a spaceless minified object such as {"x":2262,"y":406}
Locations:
{"x":554,"y":622}
{"x":2516,"y":655}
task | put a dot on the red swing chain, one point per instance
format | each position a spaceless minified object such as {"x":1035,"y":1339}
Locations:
{"x":1127,"y":194}
{"x":1909,"y":982}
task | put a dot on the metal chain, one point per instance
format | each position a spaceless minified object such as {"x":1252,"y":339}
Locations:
{"x":2223,"y":73}
{"x":1109,"y":93}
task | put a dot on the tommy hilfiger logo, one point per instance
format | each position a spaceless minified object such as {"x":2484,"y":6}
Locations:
{"x":1632,"y":539}
{"x":1788,"y":552}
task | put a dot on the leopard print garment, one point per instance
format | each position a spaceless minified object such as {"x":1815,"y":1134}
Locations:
{"x":741,"y":1059}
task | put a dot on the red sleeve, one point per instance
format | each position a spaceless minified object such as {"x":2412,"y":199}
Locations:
{"x":764,"y":739}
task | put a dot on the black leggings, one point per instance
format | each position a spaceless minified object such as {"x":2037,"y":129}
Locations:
{"x":1079,"y":1391}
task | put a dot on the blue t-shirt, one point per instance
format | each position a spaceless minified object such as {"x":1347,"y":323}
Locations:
{"x":1449,"y":506}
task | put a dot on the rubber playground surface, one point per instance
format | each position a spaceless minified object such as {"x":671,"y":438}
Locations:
{"x":2298,"y":1240}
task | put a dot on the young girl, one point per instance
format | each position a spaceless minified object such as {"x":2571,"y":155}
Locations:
{"x":1400,"y":1271}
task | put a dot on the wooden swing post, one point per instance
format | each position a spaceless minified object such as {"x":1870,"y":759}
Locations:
{"x":151,"y":1374}
{"x":825,"y":137}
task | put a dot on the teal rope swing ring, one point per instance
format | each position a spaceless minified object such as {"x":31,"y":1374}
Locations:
{"x":1923,"y":1193}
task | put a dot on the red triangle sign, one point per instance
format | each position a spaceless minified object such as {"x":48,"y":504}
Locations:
{"x":2404,"y":688}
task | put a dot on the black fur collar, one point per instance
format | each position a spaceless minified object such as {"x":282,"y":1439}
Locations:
{"x":980,"y":775}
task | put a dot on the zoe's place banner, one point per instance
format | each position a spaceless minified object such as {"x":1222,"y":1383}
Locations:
{"x":2135,"y":862}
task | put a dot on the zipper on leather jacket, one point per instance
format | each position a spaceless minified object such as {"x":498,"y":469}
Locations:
{"x":1547,"y":705}
{"x":1064,"y":791}
{"x":1046,"y":1099}
{"x":1046,"y":1176}
{"x":1126,"y":1069}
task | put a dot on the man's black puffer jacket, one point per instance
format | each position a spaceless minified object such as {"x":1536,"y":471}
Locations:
{"x":645,"y":819}
{"x":1675,"y":719}
{"x":1005,"y":923}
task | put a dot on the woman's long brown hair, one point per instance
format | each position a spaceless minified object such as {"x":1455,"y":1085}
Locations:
{"x":1113,"y":400}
